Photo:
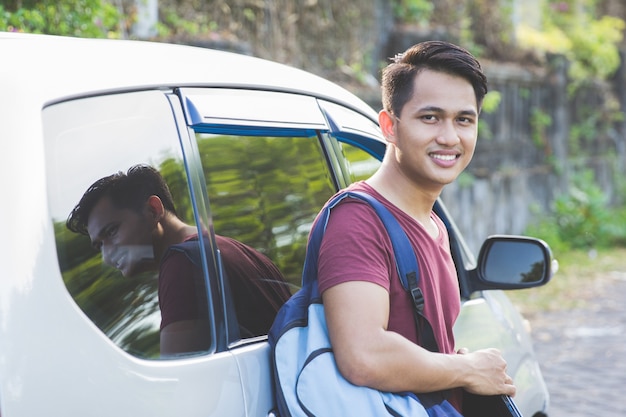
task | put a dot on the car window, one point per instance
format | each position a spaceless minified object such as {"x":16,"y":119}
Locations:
{"x":265,"y":192}
{"x":91,"y":138}
{"x":356,"y":143}
{"x":265,"y":169}
{"x":359,"y":164}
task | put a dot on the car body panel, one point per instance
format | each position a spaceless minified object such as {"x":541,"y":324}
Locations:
{"x":500,"y":326}
{"x":53,"y":358}
{"x":139,"y":65}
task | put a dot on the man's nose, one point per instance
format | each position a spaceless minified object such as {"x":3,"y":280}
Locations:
{"x":107,"y":254}
{"x":447,"y":134}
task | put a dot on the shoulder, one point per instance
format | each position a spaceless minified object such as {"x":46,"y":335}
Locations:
{"x":354,"y":214}
{"x":232,"y":249}
{"x":182,"y":254}
{"x":353,"y":223}
{"x":355,"y":203}
{"x":358,"y":212}
{"x":355,"y":247}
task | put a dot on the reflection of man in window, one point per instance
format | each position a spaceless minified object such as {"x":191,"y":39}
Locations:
{"x":131,"y":219}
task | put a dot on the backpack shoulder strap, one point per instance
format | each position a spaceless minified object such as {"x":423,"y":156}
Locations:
{"x":406,"y":262}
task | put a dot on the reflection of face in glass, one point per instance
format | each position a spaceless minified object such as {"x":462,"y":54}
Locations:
{"x":123,"y":236}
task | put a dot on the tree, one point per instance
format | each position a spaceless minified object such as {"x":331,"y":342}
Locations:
{"x":80,"y":18}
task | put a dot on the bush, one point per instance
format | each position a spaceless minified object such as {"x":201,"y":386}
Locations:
{"x":574,"y":29}
{"x":80,"y":18}
{"x":581,"y":219}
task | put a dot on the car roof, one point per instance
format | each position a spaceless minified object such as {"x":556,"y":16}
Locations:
{"x":56,"y":68}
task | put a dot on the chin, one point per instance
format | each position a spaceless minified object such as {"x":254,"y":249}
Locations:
{"x":136,"y":270}
{"x":127,"y":274}
{"x":129,"y":271}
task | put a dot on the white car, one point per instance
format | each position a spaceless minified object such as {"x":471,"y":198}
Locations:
{"x":251,"y":149}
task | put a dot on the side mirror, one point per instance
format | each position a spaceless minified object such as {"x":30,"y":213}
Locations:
{"x":512,"y":262}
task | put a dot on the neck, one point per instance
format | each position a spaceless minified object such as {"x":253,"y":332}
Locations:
{"x":415,"y":200}
{"x":170,"y":231}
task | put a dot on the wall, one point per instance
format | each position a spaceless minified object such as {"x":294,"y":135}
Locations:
{"x":521,"y":165}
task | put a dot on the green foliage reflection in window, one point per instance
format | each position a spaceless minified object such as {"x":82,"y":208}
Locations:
{"x":126,"y":310}
{"x":361,"y":164}
{"x":266,"y":192}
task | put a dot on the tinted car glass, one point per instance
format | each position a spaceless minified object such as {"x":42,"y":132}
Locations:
{"x":356,"y":143}
{"x":265,"y":169}
{"x":86,"y":140}
{"x":265,"y":192}
{"x":360,"y":165}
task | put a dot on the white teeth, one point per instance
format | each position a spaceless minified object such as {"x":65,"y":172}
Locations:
{"x":443,"y":157}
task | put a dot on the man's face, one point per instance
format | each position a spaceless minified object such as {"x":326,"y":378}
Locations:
{"x":123,"y":236}
{"x":436,"y":132}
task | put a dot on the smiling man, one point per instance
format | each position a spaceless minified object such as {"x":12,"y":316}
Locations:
{"x":131,"y":219}
{"x":432,"y":95}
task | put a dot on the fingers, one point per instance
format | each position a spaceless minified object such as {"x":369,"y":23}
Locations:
{"x":509,"y":387}
{"x":489,"y":373}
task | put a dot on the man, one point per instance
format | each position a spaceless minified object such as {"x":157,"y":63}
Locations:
{"x":432,"y":96}
{"x":131,"y":219}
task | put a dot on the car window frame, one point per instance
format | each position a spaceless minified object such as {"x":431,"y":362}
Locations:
{"x":195,"y":122}
{"x":177,"y":142}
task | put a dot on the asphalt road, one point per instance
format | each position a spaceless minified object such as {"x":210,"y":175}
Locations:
{"x":582,"y":353}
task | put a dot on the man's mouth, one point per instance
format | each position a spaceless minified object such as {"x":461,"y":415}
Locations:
{"x":443,"y":157}
{"x":119,"y":263}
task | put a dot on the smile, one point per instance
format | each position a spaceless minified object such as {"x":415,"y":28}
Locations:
{"x":443,"y":157}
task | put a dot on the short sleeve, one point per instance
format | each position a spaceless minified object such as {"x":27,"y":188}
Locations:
{"x":355,"y":247}
{"x":178,"y":293}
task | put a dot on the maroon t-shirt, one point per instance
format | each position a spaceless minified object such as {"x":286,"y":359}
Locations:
{"x":356,"y":247}
{"x":258,"y":287}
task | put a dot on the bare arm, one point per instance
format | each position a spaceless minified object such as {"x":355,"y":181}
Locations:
{"x":185,"y":336}
{"x":368,"y":354}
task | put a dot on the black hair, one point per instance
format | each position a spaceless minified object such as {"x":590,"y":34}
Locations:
{"x":399,"y":75}
{"x":128,"y":190}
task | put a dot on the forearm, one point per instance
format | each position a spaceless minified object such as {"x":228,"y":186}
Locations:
{"x":409,"y":368}
{"x":368,"y":354}
{"x":413,"y":368}
{"x":184,"y":337}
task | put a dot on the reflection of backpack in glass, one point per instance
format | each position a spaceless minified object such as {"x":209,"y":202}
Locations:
{"x":306,"y":378}
{"x":252,"y":281}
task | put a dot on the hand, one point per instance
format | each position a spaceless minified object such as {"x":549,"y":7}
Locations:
{"x":487,"y":374}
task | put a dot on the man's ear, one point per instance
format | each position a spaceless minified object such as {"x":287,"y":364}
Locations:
{"x":155,"y":207}
{"x":387,"y":122}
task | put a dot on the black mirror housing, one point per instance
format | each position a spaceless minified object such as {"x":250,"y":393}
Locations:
{"x":512,"y":262}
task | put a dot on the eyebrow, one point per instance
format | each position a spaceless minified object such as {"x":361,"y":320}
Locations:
{"x":435,"y":109}
{"x":94,"y":243}
{"x":98,"y":237}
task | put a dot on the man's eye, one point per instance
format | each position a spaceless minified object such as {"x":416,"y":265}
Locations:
{"x":466,"y":120}
{"x":111,"y":231}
